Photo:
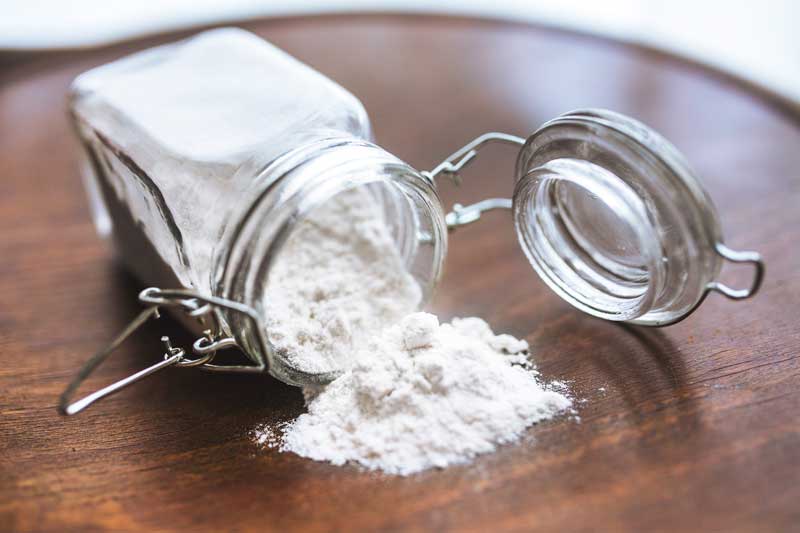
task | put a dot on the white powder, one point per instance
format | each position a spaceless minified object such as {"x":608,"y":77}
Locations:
{"x":266,"y":435}
{"x":415,"y":394}
{"x":423,"y":395}
{"x":338,"y":280}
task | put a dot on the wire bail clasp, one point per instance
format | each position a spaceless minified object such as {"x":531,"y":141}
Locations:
{"x":744,"y":257}
{"x":205,"y":348}
{"x":452,"y":166}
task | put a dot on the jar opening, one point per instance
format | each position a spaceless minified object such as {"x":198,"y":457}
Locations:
{"x":367,"y":217}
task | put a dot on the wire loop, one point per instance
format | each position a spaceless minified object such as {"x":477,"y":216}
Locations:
{"x":753,"y":258}
{"x":194,"y":305}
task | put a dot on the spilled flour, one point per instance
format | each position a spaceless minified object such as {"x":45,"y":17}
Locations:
{"x":424,"y":395}
{"x":415,"y":394}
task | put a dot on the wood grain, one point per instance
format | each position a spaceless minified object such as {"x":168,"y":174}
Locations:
{"x":697,"y":428}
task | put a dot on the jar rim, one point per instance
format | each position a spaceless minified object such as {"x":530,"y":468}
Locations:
{"x":321,"y":173}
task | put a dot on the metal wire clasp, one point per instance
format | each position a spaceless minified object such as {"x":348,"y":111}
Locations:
{"x":450,"y":167}
{"x":734,"y":256}
{"x":205,"y":348}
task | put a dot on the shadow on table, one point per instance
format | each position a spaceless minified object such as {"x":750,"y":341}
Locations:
{"x":648,"y":372}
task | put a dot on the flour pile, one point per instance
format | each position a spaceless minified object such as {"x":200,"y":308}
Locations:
{"x":414,"y":394}
{"x":425,"y":395}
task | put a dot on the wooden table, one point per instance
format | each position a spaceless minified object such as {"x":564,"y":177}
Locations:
{"x":694,"y":427}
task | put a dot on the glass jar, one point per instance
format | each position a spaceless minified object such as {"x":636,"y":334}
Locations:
{"x":204,"y":155}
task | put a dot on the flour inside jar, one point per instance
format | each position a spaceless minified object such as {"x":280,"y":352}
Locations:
{"x":338,"y":280}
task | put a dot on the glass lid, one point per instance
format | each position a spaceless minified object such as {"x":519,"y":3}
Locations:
{"x":611,"y":218}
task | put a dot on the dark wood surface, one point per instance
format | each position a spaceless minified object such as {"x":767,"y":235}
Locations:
{"x":699,"y":424}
